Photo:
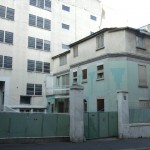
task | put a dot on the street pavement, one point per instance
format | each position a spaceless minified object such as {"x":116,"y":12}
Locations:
{"x":101,"y":144}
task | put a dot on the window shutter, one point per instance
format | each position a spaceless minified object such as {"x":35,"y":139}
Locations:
{"x":1,"y":36}
{"x":7,"y":62}
{"x":10,"y":13}
{"x":2,"y":11}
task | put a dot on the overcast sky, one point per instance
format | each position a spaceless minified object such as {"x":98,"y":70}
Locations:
{"x":133,"y":13}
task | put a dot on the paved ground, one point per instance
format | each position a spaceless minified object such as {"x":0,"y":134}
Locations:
{"x":103,"y":144}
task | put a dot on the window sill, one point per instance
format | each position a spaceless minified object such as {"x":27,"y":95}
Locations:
{"x":100,"y":48}
{"x":140,"y":48}
{"x":6,"y":43}
{"x":41,"y":8}
{"x":143,"y":86}
{"x":100,"y":79}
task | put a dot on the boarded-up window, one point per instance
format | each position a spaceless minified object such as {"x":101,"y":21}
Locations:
{"x":100,"y":104}
{"x":139,"y":42}
{"x":75,"y":51}
{"x":142,"y":75}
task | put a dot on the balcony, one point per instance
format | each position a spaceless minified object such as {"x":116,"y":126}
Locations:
{"x":58,"y":90}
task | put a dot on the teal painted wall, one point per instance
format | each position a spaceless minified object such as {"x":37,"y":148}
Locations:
{"x":119,"y":74}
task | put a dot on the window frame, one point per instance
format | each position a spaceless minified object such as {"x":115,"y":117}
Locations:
{"x":100,"y":72}
{"x":100,"y":41}
{"x":84,"y":75}
{"x":100,"y":108}
{"x":92,"y":17}
{"x":63,"y":60}
{"x":65,"y":8}
{"x":65,"y":26}
{"x":75,"y":51}
{"x":75,"y":76}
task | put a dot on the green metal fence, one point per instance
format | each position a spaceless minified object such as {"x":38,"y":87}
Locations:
{"x":100,"y":124}
{"x":33,"y":125}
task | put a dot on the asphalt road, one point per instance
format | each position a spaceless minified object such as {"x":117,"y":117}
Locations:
{"x":103,"y":144}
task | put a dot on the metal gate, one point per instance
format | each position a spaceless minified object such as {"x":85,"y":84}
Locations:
{"x":100,"y":124}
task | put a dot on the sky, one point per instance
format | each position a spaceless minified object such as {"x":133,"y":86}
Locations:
{"x":133,"y":13}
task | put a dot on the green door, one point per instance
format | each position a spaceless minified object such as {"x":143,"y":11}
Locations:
{"x":103,"y":124}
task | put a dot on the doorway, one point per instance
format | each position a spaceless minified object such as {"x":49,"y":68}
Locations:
{"x":2,"y":87}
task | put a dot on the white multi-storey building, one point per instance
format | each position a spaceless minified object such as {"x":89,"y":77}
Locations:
{"x":31,"y":32}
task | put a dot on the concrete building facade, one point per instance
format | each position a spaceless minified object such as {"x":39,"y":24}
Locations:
{"x":31,"y":32}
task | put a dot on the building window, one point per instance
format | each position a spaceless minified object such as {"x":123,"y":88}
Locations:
{"x":1,"y":36}
{"x":32,"y":20}
{"x":10,"y":13}
{"x":75,"y":51}
{"x":46,"y":67}
{"x":65,"y":26}
{"x":100,"y":72}
{"x":142,"y":76}
{"x":39,"y":22}
{"x":58,"y":80}
{"x":75,"y":77}
{"x":8,"y":36}
{"x":7,"y":13}
{"x":5,"y":62}
{"x":38,"y":66}
{"x":66,"y":8}
{"x":100,"y":41}
{"x":140,"y":42}
{"x":93,"y":18}
{"x":84,"y":75}
{"x":38,"y":44}
{"x":63,"y":60}
{"x":64,"y":46}
{"x":43,"y":4}
{"x":65,"y":80}
{"x":100,"y":104}
{"x":26,"y":100}
{"x":34,"y":89}
{"x":31,"y":65}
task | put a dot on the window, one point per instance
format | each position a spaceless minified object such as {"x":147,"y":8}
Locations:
{"x":7,"y":13}
{"x":31,"y":65}
{"x":63,"y":60}
{"x":142,"y":76}
{"x":44,"y":4}
{"x":58,"y":81}
{"x":5,"y":62}
{"x":84,"y":74}
{"x":46,"y":67}
{"x":31,"y":42}
{"x":8,"y":37}
{"x":100,"y":72}
{"x":93,"y":18}
{"x":2,"y":11}
{"x":25,"y":100}
{"x":47,"y":24}
{"x":34,"y":89}
{"x":64,"y":46}
{"x":75,"y":77}
{"x":100,"y":104}
{"x":38,"y":89}
{"x":65,"y":80}
{"x":32,"y":20}
{"x":75,"y":51}
{"x":66,"y":8}
{"x":38,"y":66}
{"x":139,"y":42}
{"x":10,"y":13}
{"x":100,"y":41}
{"x":65,"y":26}
{"x":39,"y":22}
{"x":46,"y":45}
{"x":38,"y":44}
{"x":1,"y":36}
